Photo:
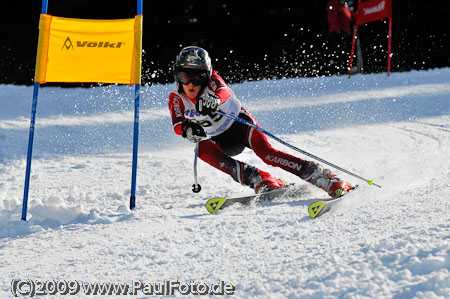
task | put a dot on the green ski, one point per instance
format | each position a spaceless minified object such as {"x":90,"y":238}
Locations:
{"x":318,"y":208}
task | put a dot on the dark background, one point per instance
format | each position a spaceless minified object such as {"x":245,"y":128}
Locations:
{"x":247,"y":39}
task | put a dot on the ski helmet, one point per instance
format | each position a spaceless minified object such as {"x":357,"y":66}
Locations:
{"x":193,"y":60}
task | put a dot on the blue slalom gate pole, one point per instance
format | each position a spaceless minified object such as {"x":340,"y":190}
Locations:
{"x":135,"y":133}
{"x":139,"y":7}
{"x":31,"y":137}
{"x":135,"y":147}
{"x":30,"y":151}
{"x":243,"y":121}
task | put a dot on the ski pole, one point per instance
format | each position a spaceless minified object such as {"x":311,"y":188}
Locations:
{"x":196,"y":187}
{"x":243,"y":121}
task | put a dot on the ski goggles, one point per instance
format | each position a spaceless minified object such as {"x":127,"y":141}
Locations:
{"x":186,"y":78}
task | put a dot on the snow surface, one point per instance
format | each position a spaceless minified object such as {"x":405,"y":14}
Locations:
{"x":392,"y":242}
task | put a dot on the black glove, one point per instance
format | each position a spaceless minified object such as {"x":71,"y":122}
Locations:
{"x":192,"y":130}
{"x":207,"y":104}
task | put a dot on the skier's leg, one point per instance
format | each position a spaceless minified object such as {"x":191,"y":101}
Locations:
{"x":245,"y":174}
{"x":307,"y":170}
{"x":263,"y":149}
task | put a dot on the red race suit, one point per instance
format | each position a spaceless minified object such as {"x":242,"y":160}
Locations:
{"x":227,"y":137}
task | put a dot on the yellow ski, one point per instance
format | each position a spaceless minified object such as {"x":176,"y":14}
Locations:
{"x":318,"y":208}
{"x":217,"y":203}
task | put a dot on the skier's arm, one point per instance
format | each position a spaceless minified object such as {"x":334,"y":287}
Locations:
{"x":213,"y":95}
{"x":219,"y":87}
{"x":176,"y":108}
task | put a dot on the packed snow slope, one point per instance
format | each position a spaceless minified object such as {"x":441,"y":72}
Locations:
{"x":392,"y":242}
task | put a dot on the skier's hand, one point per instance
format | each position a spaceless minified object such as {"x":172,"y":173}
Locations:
{"x":207,"y":104}
{"x":192,"y":130}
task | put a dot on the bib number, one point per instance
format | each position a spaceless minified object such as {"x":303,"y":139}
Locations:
{"x":206,"y":123}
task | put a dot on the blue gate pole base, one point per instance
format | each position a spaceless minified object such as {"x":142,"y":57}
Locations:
{"x":132,"y":202}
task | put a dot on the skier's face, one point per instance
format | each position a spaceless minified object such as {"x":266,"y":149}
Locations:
{"x":191,"y":90}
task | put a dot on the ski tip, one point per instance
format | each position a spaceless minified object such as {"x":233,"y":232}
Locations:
{"x":214,"y":204}
{"x":315,"y":208}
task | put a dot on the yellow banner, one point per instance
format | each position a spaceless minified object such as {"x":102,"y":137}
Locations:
{"x":80,"y":50}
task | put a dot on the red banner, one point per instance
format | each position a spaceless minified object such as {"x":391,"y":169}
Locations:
{"x":370,"y":11}
{"x":373,"y":10}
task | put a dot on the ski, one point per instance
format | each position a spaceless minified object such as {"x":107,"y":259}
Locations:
{"x":318,"y":208}
{"x":218,"y":203}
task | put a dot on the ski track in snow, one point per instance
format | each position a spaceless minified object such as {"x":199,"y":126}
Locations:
{"x":392,"y":242}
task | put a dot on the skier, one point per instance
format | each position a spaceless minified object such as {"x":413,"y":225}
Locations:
{"x":198,"y":93}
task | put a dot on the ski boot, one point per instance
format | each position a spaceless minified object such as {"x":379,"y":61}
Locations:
{"x":256,"y":179}
{"x":324,"y":179}
{"x":338,"y":189}
{"x":267,"y":182}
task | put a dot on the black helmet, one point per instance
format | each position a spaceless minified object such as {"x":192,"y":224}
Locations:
{"x":193,"y":60}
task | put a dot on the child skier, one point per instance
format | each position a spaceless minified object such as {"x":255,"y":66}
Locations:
{"x":198,"y":93}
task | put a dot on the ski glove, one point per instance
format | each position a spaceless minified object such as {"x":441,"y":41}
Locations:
{"x":192,"y":130}
{"x":207,"y":104}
